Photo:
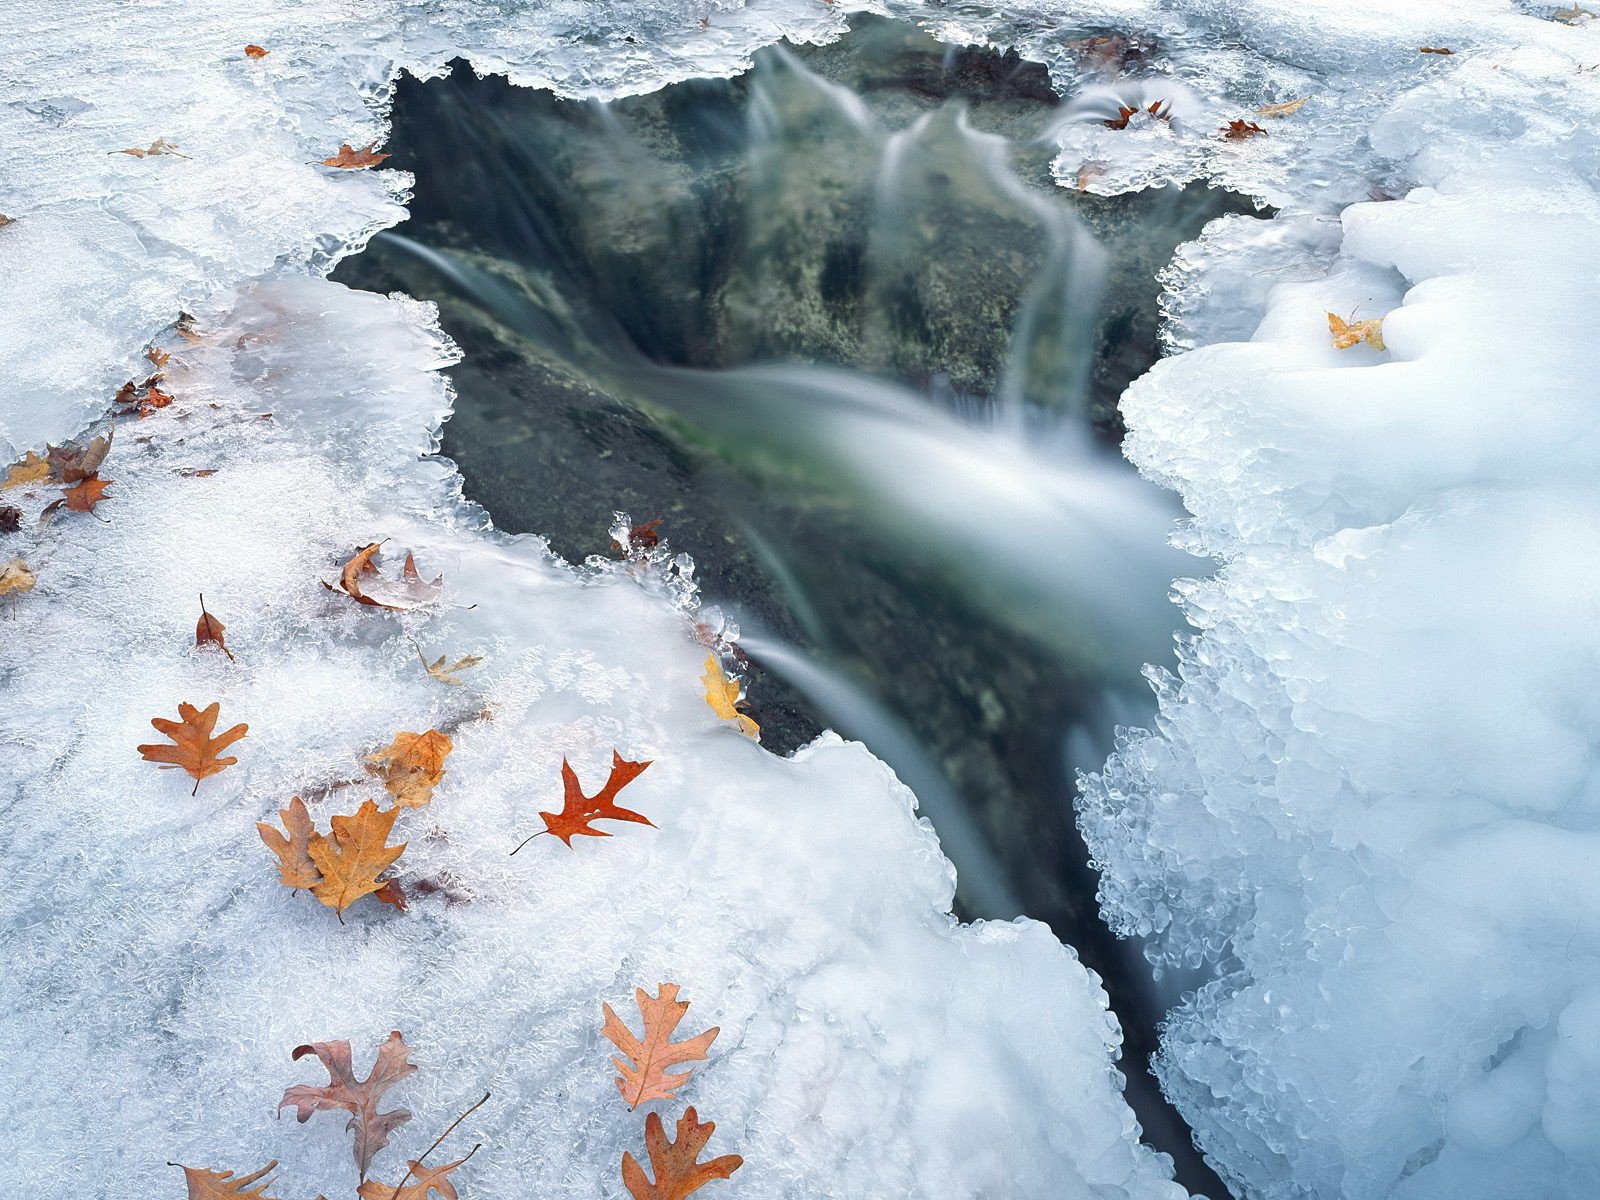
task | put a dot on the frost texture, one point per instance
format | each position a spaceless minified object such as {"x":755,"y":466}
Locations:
{"x":1370,"y":802}
{"x":157,"y":975}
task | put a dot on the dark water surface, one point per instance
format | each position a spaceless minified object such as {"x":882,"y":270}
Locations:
{"x":618,"y":274}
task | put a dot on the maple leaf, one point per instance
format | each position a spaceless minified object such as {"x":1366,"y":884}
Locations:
{"x":220,"y":1185}
{"x":32,"y":469}
{"x":722,"y":694}
{"x":159,"y":146}
{"x":84,"y":495}
{"x":1284,"y":109}
{"x":427,"y":1179}
{"x":16,"y":578}
{"x":412,"y":766}
{"x":1239,"y":130}
{"x":447,"y":674}
{"x":359,"y":1097}
{"x":70,"y":462}
{"x":295,"y":867}
{"x":362,"y":582}
{"x":193,"y":749}
{"x":1349,"y":333}
{"x":254,"y":51}
{"x":353,"y":858}
{"x":677,"y":1172}
{"x":351,"y":159}
{"x":578,"y":810}
{"x":209,"y":631}
{"x":647,"y":1079}
{"x":10,"y":518}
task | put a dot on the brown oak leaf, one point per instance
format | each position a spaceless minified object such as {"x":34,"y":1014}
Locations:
{"x":412,"y":766}
{"x":10,"y":518}
{"x":209,"y":631}
{"x":1160,"y":110}
{"x":351,"y":159}
{"x":1240,"y":130}
{"x":295,"y":866}
{"x":578,"y":810}
{"x":352,"y":859}
{"x":427,"y":1178}
{"x":194,"y":749}
{"x":646,"y":1078}
{"x":447,"y":673}
{"x":359,"y":1097}
{"x":677,"y":1172}
{"x":220,"y":1185}
{"x":159,"y":146}
{"x":71,"y":462}
{"x":361,"y":580}
{"x":85,"y":494}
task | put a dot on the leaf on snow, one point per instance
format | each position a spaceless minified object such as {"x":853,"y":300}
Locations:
{"x":16,"y":578}
{"x":254,"y":51}
{"x":677,"y":1172}
{"x":193,"y":749}
{"x":220,"y":1185}
{"x":412,"y":766}
{"x":351,"y":159}
{"x":1349,"y":333}
{"x":447,"y":674}
{"x":209,"y":631}
{"x":359,"y":1097}
{"x":1240,"y":130}
{"x":362,"y":582}
{"x":86,"y":493}
{"x":435,"y":1178}
{"x":32,"y":469}
{"x":1285,"y":108}
{"x":70,"y":462}
{"x":578,"y":810}
{"x":647,"y":1079}
{"x":722,"y":694}
{"x":295,"y":866}
{"x":352,"y":859}
{"x":159,"y":146}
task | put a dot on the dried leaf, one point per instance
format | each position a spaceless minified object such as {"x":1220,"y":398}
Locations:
{"x":10,"y":518}
{"x":209,"y":631}
{"x":32,"y":469}
{"x":351,"y":159}
{"x":5,"y":220}
{"x":722,"y":694}
{"x":1160,"y":110}
{"x":1434,"y":50}
{"x":1284,"y":109}
{"x":392,"y":894}
{"x":677,"y":1172}
{"x":412,"y":766}
{"x":71,"y":462}
{"x":642,"y":537}
{"x":1089,"y":172}
{"x":1349,"y":333}
{"x":447,"y":674}
{"x":158,"y":357}
{"x":83,"y":496}
{"x":220,"y":1185}
{"x":15,"y":578}
{"x":352,"y":859}
{"x":194,"y":749}
{"x":256,"y":52}
{"x":359,"y":1097}
{"x":295,"y":867}
{"x":1575,"y":15}
{"x":1239,"y":130}
{"x":578,"y":810}
{"x":362,"y":582}
{"x":647,"y":1078}
{"x":427,"y":1178}
{"x":159,"y":146}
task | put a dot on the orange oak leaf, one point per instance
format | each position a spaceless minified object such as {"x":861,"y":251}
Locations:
{"x":352,"y":859}
{"x":254,"y":51}
{"x":1240,"y":130}
{"x":677,"y":1172}
{"x":647,"y":1079}
{"x":578,"y":810}
{"x":194,"y":749}
{"x":220,"y":1185}
{"x":210,"y":632}
{"x":427,"y":1178}
{"x":361,"y":580}
{"x":359,"y":1097}
{"x":412,"y":766}
{"x":1159,"y":111}
{"x":32,"y":469}
{"x":722,"y":694}
{"x":351,"y":159}
{"x":295,"y":865}
{"x":1348,"y":333}
{"x":85,"y":494}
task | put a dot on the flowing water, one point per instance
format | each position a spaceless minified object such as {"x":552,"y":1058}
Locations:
{"x":834,"y":324}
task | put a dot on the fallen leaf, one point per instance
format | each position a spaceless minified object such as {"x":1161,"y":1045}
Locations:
{"x":427,"y":1178}
{"x":158,"y":357}
{"x":1160,"y":110}
{"x":32,"y":469}
{"x":361,"y":580}
{"x":1088,"y":172}
{"x":194,"y":749}
{"x":10,"y":518}
{"x":351,"y":159}
{"x":84,"y":495}
{"x":15,"y":578}
{"x":1575,"y":15}
{"x":412,"y":766}
{"x":185,"y":328}
{"x":392,"y":894}
{"x":295,"y":867}
{"x":1238,"y":131}
{"x":1284,"y":109}
{"x":220,"y":1185}
{"x":578,"y":810}
{"x":677,"y":1172}
{"x":722,"y":694}
{"x":359,"y":1097}
{"x":447,"y":674}
{"x":195,"y":472}
{"x":1434,"y":50}
{"x":209,"y":631}
{"x":254,"y":51}
{"x":159,"y":146}
{"x":647,"y":1078}
{"x":352,"y":859}
{"x":71,"y":462}
{"x":1349,"y":333}
{"x":644,"y":536}
{"x":5,"y":220}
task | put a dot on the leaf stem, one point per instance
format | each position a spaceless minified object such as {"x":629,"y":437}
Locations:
{"x":530,"y":838}
{"x":395,"y":1195}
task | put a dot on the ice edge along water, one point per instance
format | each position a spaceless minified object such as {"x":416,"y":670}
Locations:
{"x":1368,"y":801}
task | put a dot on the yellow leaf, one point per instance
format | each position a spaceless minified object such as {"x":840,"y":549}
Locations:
{"x":353,"y":858}
{"x":15,"y":577}
{"x":722,"y":694}
{"x":447,"y":674}
{"x":1283,"y":109}
{"x":412,"y":766}
{"x":35,"y":468}
{"x":1349,"y":333}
